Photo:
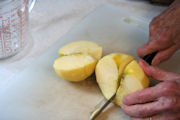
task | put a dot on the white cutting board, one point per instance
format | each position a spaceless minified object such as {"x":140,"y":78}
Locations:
{"x":38,"y":94}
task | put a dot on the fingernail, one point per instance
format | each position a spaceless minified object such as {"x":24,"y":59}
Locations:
{"x":143,"y":63}
{"x":145,"y":66}
{"x":123,"y":106}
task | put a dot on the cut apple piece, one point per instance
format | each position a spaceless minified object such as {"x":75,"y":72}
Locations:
{"x":77,"y":60}
{"x":107,"y":72}
{"x":133,"y":79}
{"x":82,"y":47}
{"x":121,"y":92}
{"x":134,"y":69}
{"x":107,"y":75}
{"x":75,"y":67}
{"x":122,"y":60}
{"x":132,"y":84}
{"x":128,"y":85}
{"x":130,"y":76}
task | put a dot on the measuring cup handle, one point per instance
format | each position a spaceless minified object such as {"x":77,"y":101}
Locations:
{"x":31,"y":4}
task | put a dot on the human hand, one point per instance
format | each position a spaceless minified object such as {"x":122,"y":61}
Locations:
{"x":164,"y":35}
{"x":161,"y":102}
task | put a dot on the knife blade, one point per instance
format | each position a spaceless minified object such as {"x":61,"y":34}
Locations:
{"x":99,"y":110}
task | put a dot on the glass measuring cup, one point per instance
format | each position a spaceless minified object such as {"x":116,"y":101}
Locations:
{"x":13,"y":26}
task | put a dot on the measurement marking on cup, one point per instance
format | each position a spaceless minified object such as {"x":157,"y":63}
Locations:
{"x":1,"y":41}
{"x":6,"y":35}
{"x":13,"y":25}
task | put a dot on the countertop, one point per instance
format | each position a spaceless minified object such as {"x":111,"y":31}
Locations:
{"x":50,"y":20}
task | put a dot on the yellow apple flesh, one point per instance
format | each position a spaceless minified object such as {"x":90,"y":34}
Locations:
{"x":81,"y":47}
{"x":107,"y":75}
{"x":108,"y":71}
{"x":120,"y":74}
{"x":77,"y":60}
{"x":133,"y":79}
{"x":75,"y":67}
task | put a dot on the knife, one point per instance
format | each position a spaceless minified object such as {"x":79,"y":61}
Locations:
{"x":148,"y":58}
{"x":101,"y":108}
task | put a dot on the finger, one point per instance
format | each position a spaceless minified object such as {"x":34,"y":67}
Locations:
{"x":164,"y":55}
{"x":142,"y":110}
{"x":149,"y":109}
{"x":167,"y":116}
{"x":152,"y":94}
{"x":146,"y":49}
{"x":159,"y":41}
{"x":142,"y":96}
{"x":163,"y":116}
{"x":159,"y":74}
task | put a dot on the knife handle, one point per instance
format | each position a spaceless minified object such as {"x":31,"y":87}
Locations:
{"x":148,"y":58}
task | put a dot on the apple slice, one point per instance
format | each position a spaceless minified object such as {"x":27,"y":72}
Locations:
{"x":120,"y":74}
{"x":107,"y":75}
{"x":134,"y":69}
{"x":81,"y":47}
{"x":108,"y":71}
{"x":75,"y":67}
{"x":133,"y":79}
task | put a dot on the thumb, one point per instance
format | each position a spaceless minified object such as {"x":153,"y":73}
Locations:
{"x":158,"y":73}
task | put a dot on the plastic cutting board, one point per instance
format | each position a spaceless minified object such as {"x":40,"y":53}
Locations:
{"x":37,"y":93}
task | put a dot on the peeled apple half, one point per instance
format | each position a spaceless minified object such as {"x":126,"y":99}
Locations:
{"x":77,"y":60}
{"x":120,"y":74}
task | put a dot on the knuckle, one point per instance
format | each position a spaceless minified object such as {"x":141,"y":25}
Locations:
{"x":171,"y":103}
{"x":168,"y":103}
{"x":154,"y":23}
{"x":162,"y":38}
{"x":141,"y":113}
{"x":164,"y":35}
{"x":152,"y":27}
{"x":168,"y":87}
